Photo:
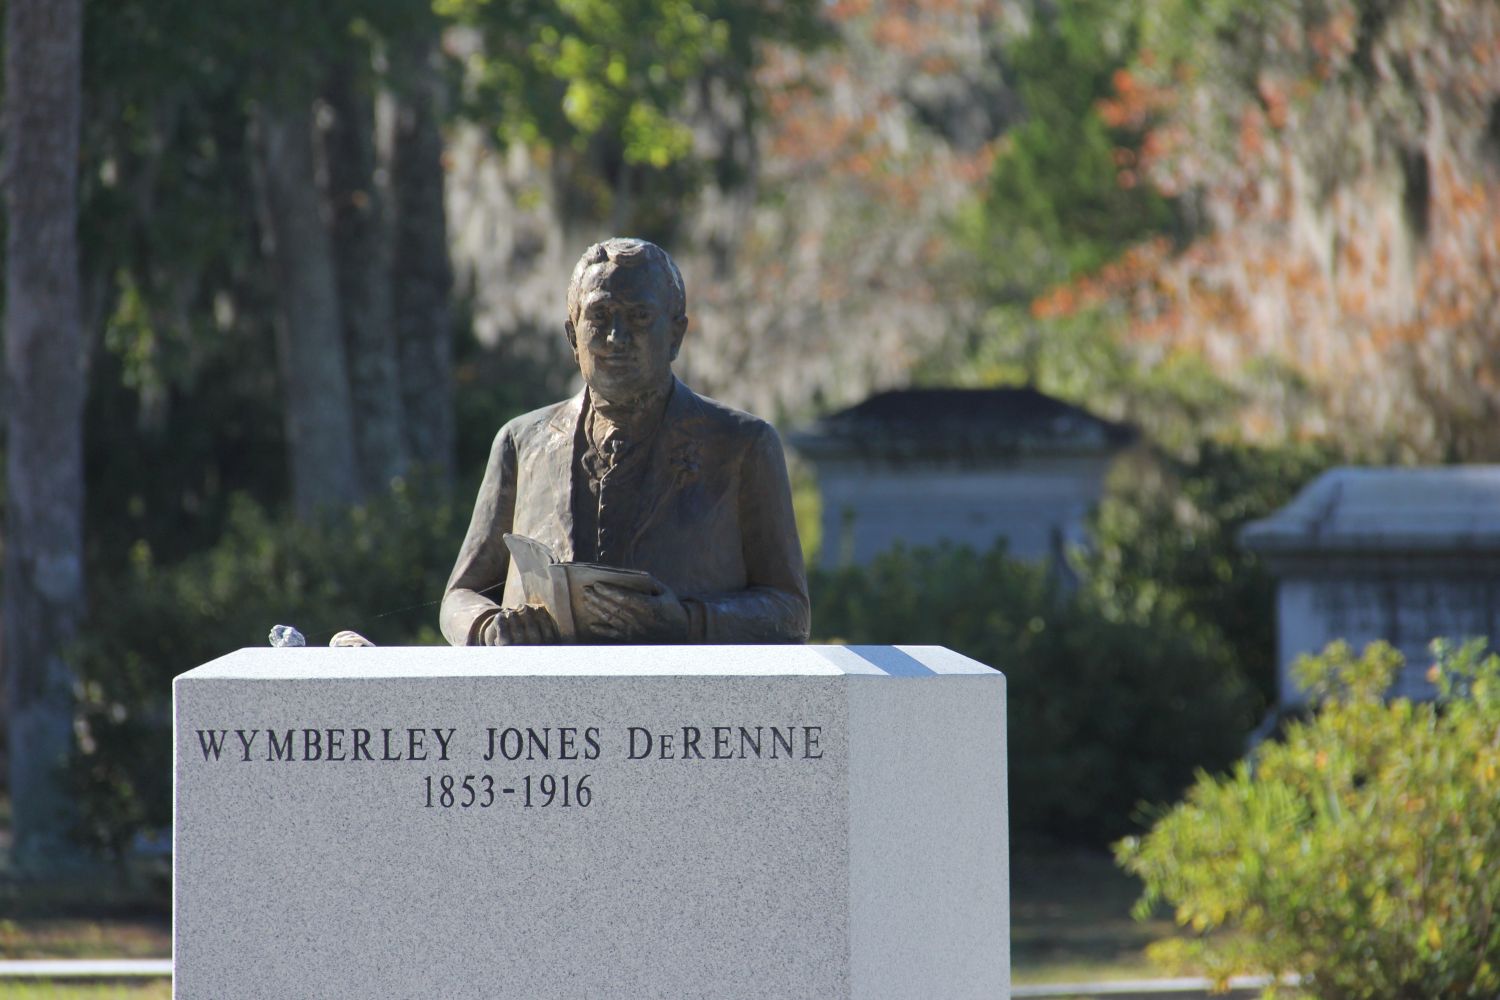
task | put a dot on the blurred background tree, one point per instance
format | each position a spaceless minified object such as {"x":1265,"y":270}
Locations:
{"x":44,"y":391}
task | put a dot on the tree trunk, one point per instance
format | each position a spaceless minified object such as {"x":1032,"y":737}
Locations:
{"x":361,"y":252}
{"x":44,"y":397}
{"x":422,"y":276}
{"x":310,"y":337}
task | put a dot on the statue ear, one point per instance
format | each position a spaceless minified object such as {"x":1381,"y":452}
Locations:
{"x":572,"y":335}
{"x":679,"y":330}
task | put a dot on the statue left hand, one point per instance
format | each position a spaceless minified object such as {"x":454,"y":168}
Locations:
{"x":528,"y":625}
{"x":624,"y":615}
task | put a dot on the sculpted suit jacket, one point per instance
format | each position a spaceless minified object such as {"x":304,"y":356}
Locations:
{"x":714,"y":522}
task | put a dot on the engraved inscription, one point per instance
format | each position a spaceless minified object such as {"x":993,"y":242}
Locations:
{"x":481,"y":791}
{"x":789,"y":744}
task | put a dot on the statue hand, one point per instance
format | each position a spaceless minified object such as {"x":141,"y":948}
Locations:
{"x":528,"y":625}
{"x":623,"y":615}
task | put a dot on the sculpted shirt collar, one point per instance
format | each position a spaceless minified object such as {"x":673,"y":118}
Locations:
{"x":633,"y":421}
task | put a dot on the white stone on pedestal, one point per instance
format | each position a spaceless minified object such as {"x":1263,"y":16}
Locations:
{"x":740,"y":821}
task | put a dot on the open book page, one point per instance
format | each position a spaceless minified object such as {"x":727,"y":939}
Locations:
{"x":540,"y":585}
{"x":558,"y":586}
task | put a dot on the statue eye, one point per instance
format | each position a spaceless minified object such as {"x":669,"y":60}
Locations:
{"x":640,"y":316}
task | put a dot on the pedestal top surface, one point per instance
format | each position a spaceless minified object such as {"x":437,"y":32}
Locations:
{"x":586,"y":661}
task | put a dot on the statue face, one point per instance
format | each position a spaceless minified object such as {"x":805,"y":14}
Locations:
{"x":624,"y":335}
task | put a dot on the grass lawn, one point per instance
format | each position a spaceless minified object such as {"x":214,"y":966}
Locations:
{"x":1070,"y":920}
{"x":90,"y":919}
{"x":42,"y":989}
{"x":139,"y":936}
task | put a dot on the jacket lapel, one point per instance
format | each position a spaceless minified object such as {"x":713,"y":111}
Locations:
{"x":675,"y":459}
{"x":556,"y":467}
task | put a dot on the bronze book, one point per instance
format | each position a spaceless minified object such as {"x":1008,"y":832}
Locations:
{"x":558,"y":586}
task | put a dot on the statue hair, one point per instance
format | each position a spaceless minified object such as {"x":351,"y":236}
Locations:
{"x":623,"y":251}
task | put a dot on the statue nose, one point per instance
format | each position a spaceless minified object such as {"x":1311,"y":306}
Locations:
{"x":619,"y":333}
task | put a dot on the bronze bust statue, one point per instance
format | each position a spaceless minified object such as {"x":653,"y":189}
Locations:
{"x":636,"y":472}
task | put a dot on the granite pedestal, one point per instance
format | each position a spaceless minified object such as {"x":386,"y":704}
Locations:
{"x":571,"y":822}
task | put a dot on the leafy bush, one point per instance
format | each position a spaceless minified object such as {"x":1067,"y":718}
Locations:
{"x":1165,"y":542}
{"x":1359,"y":852}
{"x":378,"y":569}
{"x":1104,"y":714}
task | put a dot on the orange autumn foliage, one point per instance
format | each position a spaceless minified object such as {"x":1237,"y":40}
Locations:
{"x":1349,"y":207}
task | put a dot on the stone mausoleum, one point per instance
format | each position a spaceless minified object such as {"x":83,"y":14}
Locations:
{"x":969,"y":466}
{"x":1404,"y":555}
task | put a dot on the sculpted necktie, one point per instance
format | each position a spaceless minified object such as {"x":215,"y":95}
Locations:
{"x":620,"y":442}
{"x":612,"y":499}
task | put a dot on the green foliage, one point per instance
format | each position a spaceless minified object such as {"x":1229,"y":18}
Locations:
{"x":1065,"y":198}
{"x":184,"y":380}
{"x":1359,"y":852}
{"x":1104,"y":714}
{"x":1177,"y":401}
{"x":807,"y":509}
{"x":201,"y":446}
{"x":378,"y":569}
{"x":608,"y":87}
{"x":153,"y":49}
{"x":1165,"y":542}
{"x":562,"y":73}
{"x":1062,"y":200}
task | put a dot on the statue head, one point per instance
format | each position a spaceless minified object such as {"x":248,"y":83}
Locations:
{"x":627,"y":314}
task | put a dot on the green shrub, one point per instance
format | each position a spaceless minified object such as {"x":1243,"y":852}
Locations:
{"x":1361,"y":852}
{"x":378,"y":569}
{"x":1165,"y":541}
{"x":1104,"y":714}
